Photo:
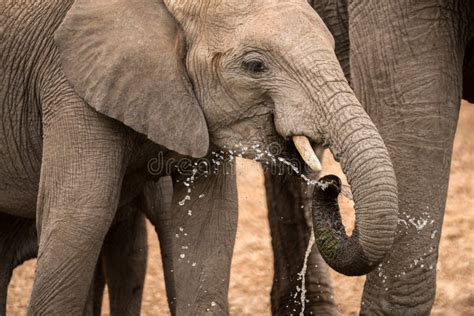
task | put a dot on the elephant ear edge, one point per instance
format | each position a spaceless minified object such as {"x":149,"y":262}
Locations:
{"x":126,"y":59}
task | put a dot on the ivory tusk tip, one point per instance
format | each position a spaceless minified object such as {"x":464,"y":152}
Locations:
{"x":306,"y":151}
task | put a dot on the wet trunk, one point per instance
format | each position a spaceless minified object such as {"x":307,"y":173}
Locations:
{"x":334,"y":115}
{"x":354,"y":140}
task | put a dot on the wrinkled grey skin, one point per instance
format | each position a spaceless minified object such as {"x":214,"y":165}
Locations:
{"x":84,"y":83}
{"x":411,"y":62}
{"x":125,"y":243}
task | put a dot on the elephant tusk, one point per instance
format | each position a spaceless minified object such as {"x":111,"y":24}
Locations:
{"x":306,"y":151}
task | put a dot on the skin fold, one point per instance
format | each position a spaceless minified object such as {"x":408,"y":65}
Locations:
{"x":102,"y":97}
{"x":410,"y":65}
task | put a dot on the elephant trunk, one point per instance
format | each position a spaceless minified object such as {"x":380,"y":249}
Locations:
{"x":335,"y":116}
{"x":355,"y":142}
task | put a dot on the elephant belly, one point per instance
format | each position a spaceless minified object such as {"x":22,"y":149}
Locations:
{"x":18,"y":203}
{"x":20,"y":162}
{"x":18,"y":188}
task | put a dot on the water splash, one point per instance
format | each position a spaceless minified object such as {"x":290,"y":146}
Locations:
{"x":183,"y":201}
{"x":302,"y":274}
{"x":419,"y":224}
{"x":345,"y":189}
{"x":226,"y":155}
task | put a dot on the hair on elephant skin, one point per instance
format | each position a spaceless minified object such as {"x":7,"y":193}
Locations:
{"x":410,"y":65}
{"x":97,"y":90}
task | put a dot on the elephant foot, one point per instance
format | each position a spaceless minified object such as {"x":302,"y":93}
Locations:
{"x":321,"y":307}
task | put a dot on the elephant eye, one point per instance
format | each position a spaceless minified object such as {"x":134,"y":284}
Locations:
{"x":255,"y":66}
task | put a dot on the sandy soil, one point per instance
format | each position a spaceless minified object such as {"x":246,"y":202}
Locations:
{"x":252,"y":265}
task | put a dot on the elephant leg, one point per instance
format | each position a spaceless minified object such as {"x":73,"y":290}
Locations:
{"x":18,"y":243}
{"x":124,"y":258}
{"x":158,"y":197}
{"x":98,"y":288}
{"x":197,"y":239}
{"x":406,"y":62}
{"x":5,"y":277}
{"x":84,"y":160}
{"x":96,"y":292}
{"x":290,"y":233}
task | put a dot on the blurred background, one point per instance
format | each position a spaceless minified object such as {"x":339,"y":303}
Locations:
{"x":252,"y":268}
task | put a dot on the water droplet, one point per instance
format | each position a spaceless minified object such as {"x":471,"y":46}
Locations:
{"x":183,"y":201}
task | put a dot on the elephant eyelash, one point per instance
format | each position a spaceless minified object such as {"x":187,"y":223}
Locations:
{"x":254,"y":63}
{"x":255,"y":66}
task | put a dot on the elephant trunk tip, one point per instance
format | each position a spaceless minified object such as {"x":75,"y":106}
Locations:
{"x":341,"y":252}
{"x":331,"y":185}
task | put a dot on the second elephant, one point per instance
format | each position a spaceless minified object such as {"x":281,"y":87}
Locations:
{"x":411,"y":62}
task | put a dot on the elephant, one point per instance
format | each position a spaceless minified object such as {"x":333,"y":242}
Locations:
{"x":409,"y":63}
{"x":101,"y":97}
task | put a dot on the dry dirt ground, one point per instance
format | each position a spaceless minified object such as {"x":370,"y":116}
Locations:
{"x":252,"y":264}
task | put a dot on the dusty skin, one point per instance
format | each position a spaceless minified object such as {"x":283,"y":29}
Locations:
{"x":252,"y":267}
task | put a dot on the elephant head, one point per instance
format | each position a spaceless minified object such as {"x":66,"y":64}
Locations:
{"x":186,"y":73}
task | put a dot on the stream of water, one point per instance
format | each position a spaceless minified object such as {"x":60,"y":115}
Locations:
{"x":302,"y":274}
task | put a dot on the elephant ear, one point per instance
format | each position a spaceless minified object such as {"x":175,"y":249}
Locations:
{"x":126,"y":59}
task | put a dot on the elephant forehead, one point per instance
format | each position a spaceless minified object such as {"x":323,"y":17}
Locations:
{"x":285,"y":24}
